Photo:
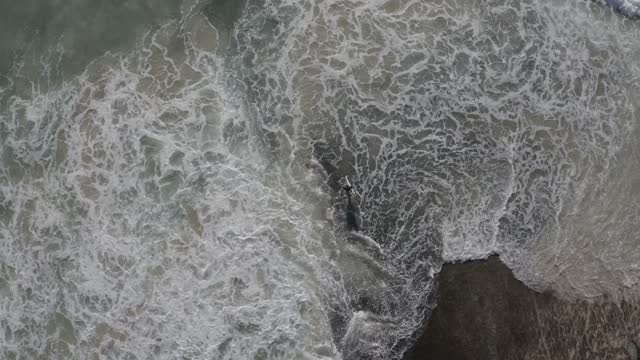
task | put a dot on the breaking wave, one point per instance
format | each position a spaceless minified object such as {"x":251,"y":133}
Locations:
{"x":181,"y":199}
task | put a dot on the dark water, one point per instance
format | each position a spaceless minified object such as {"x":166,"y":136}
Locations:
{"x":66,"y":35}
{"x":178,"y":196}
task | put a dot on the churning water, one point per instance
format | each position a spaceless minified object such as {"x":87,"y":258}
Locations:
{"x":177,"y":197}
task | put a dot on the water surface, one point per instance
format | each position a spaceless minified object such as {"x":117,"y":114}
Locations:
{"x":168,"y":172}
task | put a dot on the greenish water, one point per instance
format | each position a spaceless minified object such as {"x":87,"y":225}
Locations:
{"x":82,"y":29}
{"x":178,"y":198}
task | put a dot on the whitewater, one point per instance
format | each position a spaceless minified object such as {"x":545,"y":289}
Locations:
{"x":178,"y":196}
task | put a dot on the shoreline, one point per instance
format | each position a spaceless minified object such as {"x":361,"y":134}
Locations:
{"x":484,"y":312}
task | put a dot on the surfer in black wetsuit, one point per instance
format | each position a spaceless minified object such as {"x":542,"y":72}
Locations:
{"x":352,"y":212}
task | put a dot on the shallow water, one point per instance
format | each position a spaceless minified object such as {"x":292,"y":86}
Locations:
{"x":175,"y":197}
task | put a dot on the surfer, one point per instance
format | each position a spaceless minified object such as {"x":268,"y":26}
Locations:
{"x":352,"y":211}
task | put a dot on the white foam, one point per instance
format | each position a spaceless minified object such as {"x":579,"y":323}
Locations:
{"x":140,"y":225}
{"x":161,"y":203}
{"x":629,"y":8}
{"x":470,"y":126}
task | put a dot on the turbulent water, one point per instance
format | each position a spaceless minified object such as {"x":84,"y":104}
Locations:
{"x":630,"y":8}
{"x":177,"y":197}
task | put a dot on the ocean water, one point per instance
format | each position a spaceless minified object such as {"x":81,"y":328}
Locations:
{"x":169,"y":170}
{"x":630,"y":8}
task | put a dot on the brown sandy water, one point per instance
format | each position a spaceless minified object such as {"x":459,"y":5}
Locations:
{"x":170,"y":192}
{"x":484,"y":312}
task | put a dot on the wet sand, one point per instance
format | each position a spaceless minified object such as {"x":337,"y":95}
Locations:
{"x":484,"y":312}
